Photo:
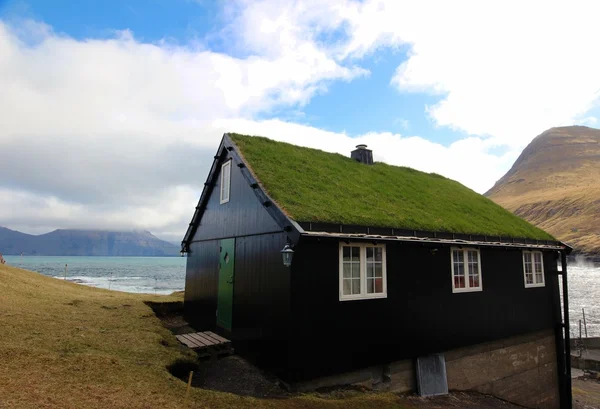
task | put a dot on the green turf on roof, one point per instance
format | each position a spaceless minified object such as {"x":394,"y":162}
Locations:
{"x":315,"y":186}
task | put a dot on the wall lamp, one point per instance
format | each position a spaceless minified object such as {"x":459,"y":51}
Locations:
{"x":287,"y":253}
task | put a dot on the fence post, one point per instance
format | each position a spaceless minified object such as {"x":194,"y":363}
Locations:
{"x":187,"y":391}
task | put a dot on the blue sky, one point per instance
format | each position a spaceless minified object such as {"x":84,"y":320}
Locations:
{"x":87,"y":83}
{"x":366,"y":104}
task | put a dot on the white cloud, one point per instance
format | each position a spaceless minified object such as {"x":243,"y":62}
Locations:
{"x":106,"y":130}
{"x":119,"y":133}
{"x":505,"y":70}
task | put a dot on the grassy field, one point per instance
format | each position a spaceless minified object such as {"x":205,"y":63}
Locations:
{"x":316,"y":186}
{"x":64,"y":345}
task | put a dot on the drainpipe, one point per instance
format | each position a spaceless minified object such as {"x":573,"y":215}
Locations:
{"x":567,"y":334}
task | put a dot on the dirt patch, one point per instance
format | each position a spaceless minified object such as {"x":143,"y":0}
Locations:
{"x":236,"y":375}
{"x":181,"y":368}
{"x":171,"y":316}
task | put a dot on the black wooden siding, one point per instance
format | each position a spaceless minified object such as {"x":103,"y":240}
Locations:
{"x":201,"y":282}
{"x":261,"y":306}
{"x":420,"y":314}
{"x":261,"y":302}
{"x":242,"y":215}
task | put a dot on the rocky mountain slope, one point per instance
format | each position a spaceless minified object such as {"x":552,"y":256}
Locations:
{"x":555,"y":184}
{"x":85,"y":243}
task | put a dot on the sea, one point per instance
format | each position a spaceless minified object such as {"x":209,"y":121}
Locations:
{"x":164,"y":275}
{"x":153,"y":275}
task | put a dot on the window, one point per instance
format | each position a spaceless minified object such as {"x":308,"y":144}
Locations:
{"x":533,"y":268}
{"x":466,"y":270}
{"x":225,"y":181}
{"x":362,"y":271}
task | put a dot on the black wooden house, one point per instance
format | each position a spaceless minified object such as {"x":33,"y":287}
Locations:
{"x":388,"y":264}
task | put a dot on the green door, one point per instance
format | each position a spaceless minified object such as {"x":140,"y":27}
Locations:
{"x":226,"y":276}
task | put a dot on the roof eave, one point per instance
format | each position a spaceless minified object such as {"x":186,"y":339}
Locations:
{"x":554,"y":246}
{"x":421,"y":235}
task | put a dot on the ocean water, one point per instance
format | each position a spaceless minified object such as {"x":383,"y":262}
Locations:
{"x":584,"y":294}
{"x":154,"y":275}
{"x":163,"y":275}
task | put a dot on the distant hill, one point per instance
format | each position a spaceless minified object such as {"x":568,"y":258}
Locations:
{"x":85,"y":243}
{"x":555,"y":184}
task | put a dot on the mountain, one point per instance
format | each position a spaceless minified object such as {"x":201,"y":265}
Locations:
{"x":555,"y":184}
{"x":85,"y":243}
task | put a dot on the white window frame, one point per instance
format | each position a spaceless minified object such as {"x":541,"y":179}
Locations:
{"x":535,"y":284}
{"x":226,"y":167}
{"x":465,"y":251}
{"x":363,"y":272}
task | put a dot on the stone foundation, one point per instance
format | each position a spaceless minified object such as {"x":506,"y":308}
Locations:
{"x":520,"y":370}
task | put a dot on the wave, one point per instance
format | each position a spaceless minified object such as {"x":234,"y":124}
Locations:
{"x":121,"y":284}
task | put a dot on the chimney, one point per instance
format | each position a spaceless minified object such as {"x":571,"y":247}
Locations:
{"x":362,"y":154}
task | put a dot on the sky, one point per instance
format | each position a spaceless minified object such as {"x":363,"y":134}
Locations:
{"x":111,"y":110}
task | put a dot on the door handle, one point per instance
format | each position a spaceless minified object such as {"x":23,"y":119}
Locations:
{"x":230,"y":281}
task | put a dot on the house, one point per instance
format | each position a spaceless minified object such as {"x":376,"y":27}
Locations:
{"x":389,"y":265}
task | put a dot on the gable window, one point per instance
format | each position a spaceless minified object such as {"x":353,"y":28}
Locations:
{"x":533,"y":268}
{"x":362,"y":271}
{"x":225,"y":181}
{"x":466,"y":270}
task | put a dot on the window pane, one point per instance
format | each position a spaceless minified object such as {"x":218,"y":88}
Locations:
{"x":458,"y":256}
{"x":347,"y":287}
{"x":355,"y":253}
{"x":537,"y":257}
{"x":379,"y":285}
{"x":379,"y":270}
{"x":472,"y":255}
{"x":474,"y":281}
{"x":346,"y":253}
{"x":539,"y":278}
{"x":459,"y":281}
{"x":374,"y":285}
{"x":356,"y":286}
{"x":538,"y":267}
{"x":459,"y":269}
{"x":529,"y":278}
{"x":528,"y":265}
{"x":347,"y":270}
{"x":378,"y":254}
{"x":356,"y":270}
{"x":370,"y":270}
{"x":369,"y":254}
{"x":538,"y":263}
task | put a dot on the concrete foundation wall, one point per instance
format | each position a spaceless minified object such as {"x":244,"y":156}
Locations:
{"x":520,"y":370}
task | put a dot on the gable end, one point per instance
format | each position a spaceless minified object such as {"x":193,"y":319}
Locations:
{"x":228,"y":149}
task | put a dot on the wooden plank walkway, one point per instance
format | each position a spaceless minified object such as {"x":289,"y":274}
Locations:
{"x":206,"y":342}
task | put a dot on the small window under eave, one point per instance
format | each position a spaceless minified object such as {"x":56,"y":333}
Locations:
{"x":225,"y":181}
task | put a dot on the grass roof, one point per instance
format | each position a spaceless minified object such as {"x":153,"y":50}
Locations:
{"x":315,"y":186}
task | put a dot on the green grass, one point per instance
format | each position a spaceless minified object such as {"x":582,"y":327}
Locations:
{"x":64,"y":345}
{"x":315,"y":186}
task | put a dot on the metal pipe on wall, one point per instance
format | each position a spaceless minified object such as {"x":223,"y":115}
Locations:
{"x":567,"y":333}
